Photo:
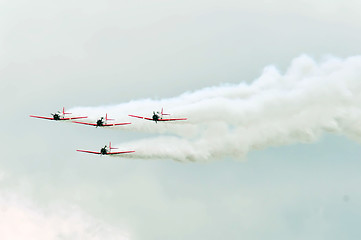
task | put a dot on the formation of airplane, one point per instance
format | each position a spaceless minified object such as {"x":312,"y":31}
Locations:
{"x":103,"y":122}
{"x":58,"y":116}
{"x":105,"y":151}
{"x":158,"y":117}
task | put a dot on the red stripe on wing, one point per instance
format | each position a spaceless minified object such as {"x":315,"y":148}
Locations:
{"x":48,"y":118}
{"x":172,"y":119}
{"x":92,"y":124}
{"x":112,"y":153}
{"x":114,"y":124}
{"x":71,"y":118}
{"x":141,"y":117}
{"x":88,"y":151}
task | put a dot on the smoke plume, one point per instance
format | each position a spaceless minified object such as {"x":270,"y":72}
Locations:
{"x":276,"y":109}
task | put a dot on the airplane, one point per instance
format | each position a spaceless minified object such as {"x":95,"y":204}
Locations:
{"x":158,"y":117}
{"x":58,"y":116}
{"x":105,"y":151}
{"x":101,"y":122}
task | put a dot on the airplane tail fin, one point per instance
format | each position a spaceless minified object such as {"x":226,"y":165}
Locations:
{"x":110,"y":146}
{"x":106,"y":117}
{"x":64,"y":111}
{"x":164,"y":113}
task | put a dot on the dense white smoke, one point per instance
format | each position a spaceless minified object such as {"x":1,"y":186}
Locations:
{"x":275,"y":109}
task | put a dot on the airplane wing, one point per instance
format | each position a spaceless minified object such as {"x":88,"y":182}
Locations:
{"x":105,"y":125}
{"x":60,"y":119}
{"x":114,"y":124}
{"x":159,"y":120}
{"x":85,"y":123}
{"x":49,"y":118}
{"x":88,"y":151}
{"x":71,"y":118}
{"x":141,"y":117}
{"x":112,"y":153}
{"x":172,"y":119}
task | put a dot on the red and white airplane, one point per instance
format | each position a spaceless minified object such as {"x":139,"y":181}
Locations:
{"x":158,"y":117}
{"x":58,"y":116}
{"x":101,"y":122}
{"x":105,"y":151}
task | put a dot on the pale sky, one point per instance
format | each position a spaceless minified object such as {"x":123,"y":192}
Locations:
{"x":92,"y":53}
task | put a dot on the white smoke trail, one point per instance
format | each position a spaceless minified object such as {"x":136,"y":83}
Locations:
{"x":275,"y":109}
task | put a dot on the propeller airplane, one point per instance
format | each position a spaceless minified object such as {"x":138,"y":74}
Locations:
{"x":158,"y":117}
{"x":58,"y":116}
{"x":105,"y":151}
{"x":101,"y":122}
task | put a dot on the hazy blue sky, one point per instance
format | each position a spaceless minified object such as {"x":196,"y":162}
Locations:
{"x":91,"y":53}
